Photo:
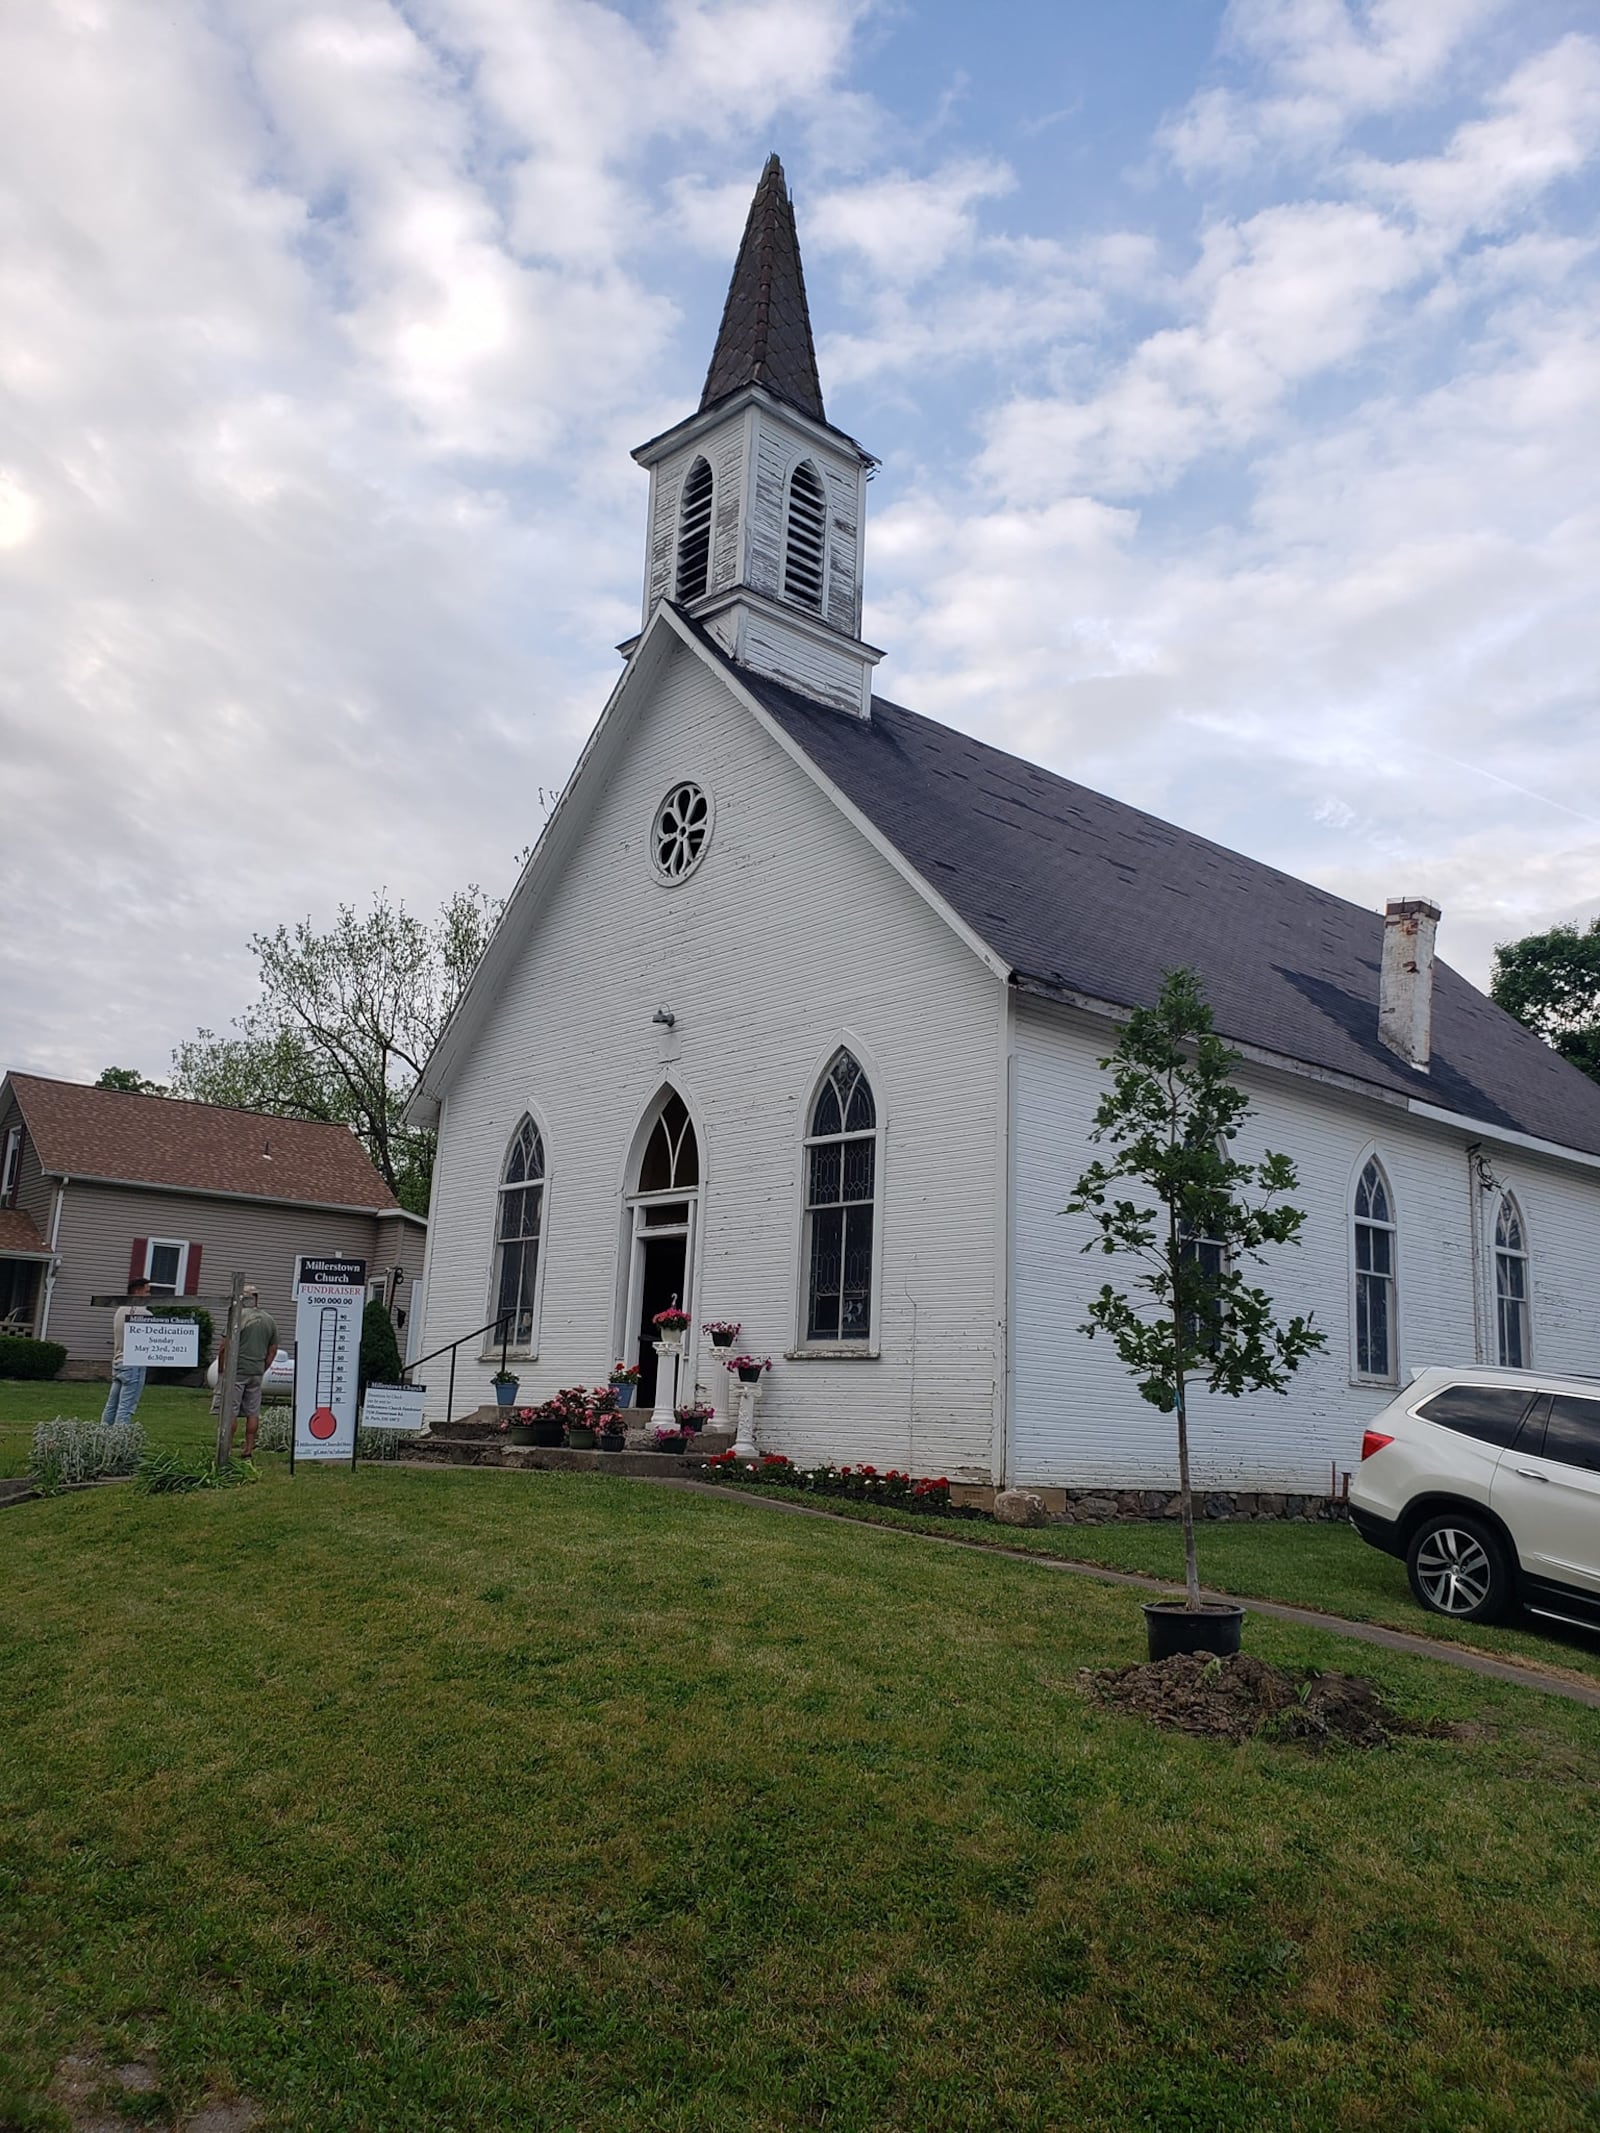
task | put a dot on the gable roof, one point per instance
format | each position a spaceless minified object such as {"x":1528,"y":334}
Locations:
{"x":163,"y":1141}
{"x":19,"y":1236}
{"x":1086,"y":898}
{"x":765,"y":336}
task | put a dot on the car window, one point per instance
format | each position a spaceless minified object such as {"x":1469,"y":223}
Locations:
{"x":1488,"y":1412}
{"x":1572,"y":1434}
{"x":1530,"y":1438}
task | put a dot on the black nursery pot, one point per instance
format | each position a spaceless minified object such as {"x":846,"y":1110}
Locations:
{"x":1171,"y":1628}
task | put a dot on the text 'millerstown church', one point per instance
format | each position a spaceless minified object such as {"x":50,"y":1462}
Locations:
{"x":796,"y":1010}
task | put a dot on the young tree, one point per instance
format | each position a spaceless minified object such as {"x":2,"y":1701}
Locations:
{"x":1170,"y":1117}
{"x":345,"y":1021}
{"x":1551,"y":982}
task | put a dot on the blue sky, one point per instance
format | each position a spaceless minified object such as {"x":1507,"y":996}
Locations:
{"x":1234,"y":371}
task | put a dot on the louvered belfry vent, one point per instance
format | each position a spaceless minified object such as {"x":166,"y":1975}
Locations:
{"x":802,"y":556}
{"x":694,"y":533}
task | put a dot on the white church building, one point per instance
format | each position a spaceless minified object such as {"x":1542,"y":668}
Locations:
{"x":796,"y":1013}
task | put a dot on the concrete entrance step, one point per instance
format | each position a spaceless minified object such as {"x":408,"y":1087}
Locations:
{"x":490,"y":1448}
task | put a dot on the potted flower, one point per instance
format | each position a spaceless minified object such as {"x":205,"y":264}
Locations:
{"x":694,"y":1415}
{"x":723,"y":1331}
{"x":624,"y":1377}
{"x":748,"y":1367}
{"x":519,"y":1425}
{"x":583,"y":1430}
{"x":505,"y":1388}
{"x":607,"y":1422}
{"x":671,"y":1325}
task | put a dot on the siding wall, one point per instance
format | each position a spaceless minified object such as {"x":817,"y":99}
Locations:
{"x":1075,"y":1419}
{"x":100,"y":1222}
{"x":35,"y":1192}
{"x":791,"y":936}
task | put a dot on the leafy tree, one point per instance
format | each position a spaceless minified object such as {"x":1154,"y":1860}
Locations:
{"x":1551,"y":982}
{"x":1170,"y":1117}
{"x":380,"y":1351}
{"x":129,"y":1082}
{"x":343,"y":1024}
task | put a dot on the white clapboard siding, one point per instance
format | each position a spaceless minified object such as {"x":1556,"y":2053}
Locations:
{"x":1075,"y":1419}
{"x":791,"y":936}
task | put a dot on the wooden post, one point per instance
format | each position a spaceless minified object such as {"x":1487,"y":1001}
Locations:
{"x":228,"y":1375}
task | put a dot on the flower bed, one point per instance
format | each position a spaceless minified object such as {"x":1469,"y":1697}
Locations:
{"x":862,"y":1484}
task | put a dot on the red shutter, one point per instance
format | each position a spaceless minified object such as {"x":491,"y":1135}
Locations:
{"x":141,"y":1250}
{"x":191,"y":1280}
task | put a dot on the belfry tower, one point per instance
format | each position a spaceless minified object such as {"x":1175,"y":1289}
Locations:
{"x":757,"y":503}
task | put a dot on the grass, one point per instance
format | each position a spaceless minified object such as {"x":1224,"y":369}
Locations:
{"x":174,"y":1417}
{"x":444,"y":1800}
{"x":1322,"y":1566}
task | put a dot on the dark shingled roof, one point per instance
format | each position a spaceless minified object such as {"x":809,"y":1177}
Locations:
{"x":765,"y":338}
{"x":1081,"y":894}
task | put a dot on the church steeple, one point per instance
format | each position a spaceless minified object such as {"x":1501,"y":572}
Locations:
{"x":765,"y":337}
{"x":757,"y":503}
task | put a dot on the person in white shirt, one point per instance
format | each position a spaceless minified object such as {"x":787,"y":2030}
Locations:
{"x":127,"y":1379}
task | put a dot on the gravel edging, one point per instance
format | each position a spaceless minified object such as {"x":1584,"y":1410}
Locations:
{"x":1389,"y":1640}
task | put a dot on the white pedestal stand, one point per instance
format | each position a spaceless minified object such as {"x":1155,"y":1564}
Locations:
{"x":669,"y":1362}
{"x":744,"y":1442}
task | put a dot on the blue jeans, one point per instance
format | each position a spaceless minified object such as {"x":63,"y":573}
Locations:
{"x":127,"y":1384}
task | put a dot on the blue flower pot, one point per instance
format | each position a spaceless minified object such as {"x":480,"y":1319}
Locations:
{"x":506,"y":1395}
{"x":624,"y":1395}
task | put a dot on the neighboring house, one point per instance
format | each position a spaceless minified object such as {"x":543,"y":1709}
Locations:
{"x":97,"y":1186}
{"x":797,"y":1010}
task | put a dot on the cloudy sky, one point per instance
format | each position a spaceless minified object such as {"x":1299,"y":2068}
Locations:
{"x":1235,"y":371}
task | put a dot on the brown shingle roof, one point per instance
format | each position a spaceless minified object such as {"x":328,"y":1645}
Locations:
{"x":765,"y":337}
{"x":18,"y":1236}
{"x":159,"y":1140}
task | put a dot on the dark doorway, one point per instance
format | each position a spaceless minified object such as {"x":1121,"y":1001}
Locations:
{"x":660,"y":1285}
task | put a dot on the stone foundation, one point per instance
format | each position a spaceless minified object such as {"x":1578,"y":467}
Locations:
{"x":1104,"y":1507}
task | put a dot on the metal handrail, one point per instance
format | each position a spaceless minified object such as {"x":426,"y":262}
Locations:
{"x":500,"y":1322}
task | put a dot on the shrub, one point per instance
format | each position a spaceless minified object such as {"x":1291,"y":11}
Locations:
{"x":380,"y":1351}
{"x":862,"y":1484}
{"x":208,"y":1334}
{"x":21,"y":1357}
{"x":67,"y":1452}
{"x":277,"y":1428}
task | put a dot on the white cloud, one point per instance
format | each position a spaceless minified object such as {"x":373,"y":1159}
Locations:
{"x":906,"y":228}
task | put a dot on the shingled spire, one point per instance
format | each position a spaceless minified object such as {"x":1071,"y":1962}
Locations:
{"x":765,"y":337}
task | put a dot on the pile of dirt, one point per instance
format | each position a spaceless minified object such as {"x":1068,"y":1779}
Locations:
{"x":1242,"y":1697}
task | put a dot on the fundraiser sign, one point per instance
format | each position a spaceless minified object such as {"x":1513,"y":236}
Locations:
{"x":393,"y":1407}
{"x":329,"y":1295}
{"x":162,"y":1343}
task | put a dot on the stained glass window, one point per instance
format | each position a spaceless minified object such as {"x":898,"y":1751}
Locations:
{"x":841,"y":1184}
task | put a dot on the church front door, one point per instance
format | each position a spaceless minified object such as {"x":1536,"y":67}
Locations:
{"x":661,"y":1284}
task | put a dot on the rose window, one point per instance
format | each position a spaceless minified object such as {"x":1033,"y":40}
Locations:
{"x":683,"y":825}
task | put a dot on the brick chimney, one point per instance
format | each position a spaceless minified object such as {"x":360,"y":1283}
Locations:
{"x":1405,"y":988}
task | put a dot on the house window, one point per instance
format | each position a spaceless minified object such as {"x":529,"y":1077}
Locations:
{"x":166,"y":1263}
{"x":1511,"y":1285}
{"x":694,"y":533}
{"x":1375,"y":1270}
{"x":841,"y":1189}
{"x":10,"y":1167}
{"x":681,"y":831}
{"x":521,"y":1204}
{"x":671,"y":1159}
{"x":803,"y":544}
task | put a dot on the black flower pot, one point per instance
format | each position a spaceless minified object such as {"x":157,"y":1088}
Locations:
{"x":722,"y":1340}
{"x":669,"y":1444}
{"x":749,"y":1377}
{"x":546,"y":1433}
{"x":1171,"y":1627}
{"x":612,"y":1440}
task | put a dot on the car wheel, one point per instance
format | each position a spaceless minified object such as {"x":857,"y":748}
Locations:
{"x":1457,"y":1566}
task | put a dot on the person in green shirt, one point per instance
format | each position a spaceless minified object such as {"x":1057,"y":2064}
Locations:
{"x":256,"y":1344}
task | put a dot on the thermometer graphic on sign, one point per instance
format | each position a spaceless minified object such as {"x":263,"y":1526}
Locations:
{"x":324,"y":1421}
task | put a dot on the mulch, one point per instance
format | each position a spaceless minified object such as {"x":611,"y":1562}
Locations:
{"x":1244,"y":1698}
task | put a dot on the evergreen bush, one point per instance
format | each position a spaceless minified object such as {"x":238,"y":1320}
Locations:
{"x":21,"y":1357}
{"x":380,"y":1351}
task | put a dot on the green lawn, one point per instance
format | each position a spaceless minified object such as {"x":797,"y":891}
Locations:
{"x":434,"y":1800}
{"x":173,"y":1417}
{"x":1324,"y":1566}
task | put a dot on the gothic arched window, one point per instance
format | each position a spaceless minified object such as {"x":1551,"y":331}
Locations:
{"x":517,"y":1222}
{"x":694,"y":533}
{"x":1511,"y":1285}
{"x":671,"y":1159}
{"x":1374,"y":1239}
{"x":803,"y":547}
{"x":841,"y":1199}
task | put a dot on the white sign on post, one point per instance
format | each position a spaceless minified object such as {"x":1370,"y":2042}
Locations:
{"x":329,"y":1298}
{"x":161,"y":1343}
{"x":393,"y":1407}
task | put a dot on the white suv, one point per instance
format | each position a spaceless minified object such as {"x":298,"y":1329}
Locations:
{"x":1487,"y":1484}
